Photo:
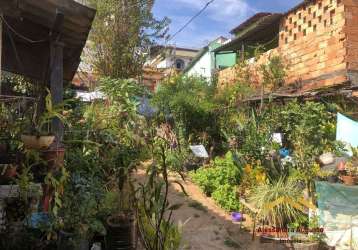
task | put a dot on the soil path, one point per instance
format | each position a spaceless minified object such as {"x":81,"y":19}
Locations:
{"x":207,"y":227}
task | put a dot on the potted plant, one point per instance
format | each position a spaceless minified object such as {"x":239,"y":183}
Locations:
{"x":39,"y":136}
{"x":330,"y":176}
{"x":349,"y":175}
{"x":278,"y":204}
{"x":119,"y":224}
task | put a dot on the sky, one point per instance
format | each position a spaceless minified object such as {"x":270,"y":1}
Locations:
{"x":217,"y":20}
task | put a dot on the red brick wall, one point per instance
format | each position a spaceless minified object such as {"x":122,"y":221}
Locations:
{"x":351,"y":30}
{"x":319,"y":43}
{"x":312,"y":42}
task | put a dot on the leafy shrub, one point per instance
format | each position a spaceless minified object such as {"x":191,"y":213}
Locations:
{"x":219,"y":180}
{"x":221,"y":171}
{"x":226,"y":197}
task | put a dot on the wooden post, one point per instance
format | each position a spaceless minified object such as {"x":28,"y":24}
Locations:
{"x":56,"y":83}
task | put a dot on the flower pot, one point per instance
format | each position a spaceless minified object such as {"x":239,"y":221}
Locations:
{"x":37,"y":142}
{"x":349,"y":180}
{"x":54,"y":158}
{"x":120,"y":232}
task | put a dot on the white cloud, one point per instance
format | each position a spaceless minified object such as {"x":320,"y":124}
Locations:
{"x":229,"y":12}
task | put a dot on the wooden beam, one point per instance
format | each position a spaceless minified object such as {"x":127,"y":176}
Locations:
{"x":56,"y":83}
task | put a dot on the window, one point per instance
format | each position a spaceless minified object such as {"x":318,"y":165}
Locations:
{"x":179,"y":64}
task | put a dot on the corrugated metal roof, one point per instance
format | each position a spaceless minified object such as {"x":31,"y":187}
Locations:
{"x":249,"y":22}
{"x":261,"y":31}
{"x":35,"y":21}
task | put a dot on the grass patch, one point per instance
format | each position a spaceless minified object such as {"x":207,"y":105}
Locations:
{"x":197,"y":206}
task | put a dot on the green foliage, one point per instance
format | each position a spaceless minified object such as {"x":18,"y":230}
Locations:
{"x":226,"y":197}
{"x":189,"y":100}
{"x":122,"y":35}
{"x":277,"y":202}
{"x":219,"y":180}
{"x":273,"y":72}
{"x":221,"y":171}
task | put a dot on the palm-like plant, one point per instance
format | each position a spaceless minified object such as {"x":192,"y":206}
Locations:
{"x":278,"y":203}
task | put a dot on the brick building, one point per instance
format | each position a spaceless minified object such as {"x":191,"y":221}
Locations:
{"x":318,"y":40}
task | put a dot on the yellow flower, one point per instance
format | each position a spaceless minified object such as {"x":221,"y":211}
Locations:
{"x":248,"y":169}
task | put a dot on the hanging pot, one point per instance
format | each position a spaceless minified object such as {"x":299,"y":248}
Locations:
{"x":120,"y":232}
{"x":37,"y":142}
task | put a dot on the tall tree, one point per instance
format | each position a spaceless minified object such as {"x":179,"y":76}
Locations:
{"x":122,"y":34}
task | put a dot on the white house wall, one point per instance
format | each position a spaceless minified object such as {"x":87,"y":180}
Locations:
{"x":202,"y":67}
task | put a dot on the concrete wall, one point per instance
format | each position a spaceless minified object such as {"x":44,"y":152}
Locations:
{"x":319,"y":44}
{"x":202,"y":67}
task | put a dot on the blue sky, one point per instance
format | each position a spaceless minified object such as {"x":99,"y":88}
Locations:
{"x":217,"y":20}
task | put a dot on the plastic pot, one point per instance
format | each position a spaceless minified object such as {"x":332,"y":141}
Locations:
{"x":120,"y":232}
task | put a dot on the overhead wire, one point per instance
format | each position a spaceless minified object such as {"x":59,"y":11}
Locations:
{"x":29,"y":40}
{"x":185,"y":26}
{"x":191,"y":19}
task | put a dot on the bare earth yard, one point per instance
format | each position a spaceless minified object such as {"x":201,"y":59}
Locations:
{"x":208,"y":226}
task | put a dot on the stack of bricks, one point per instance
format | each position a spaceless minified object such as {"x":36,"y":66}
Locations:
{"x":318,"y":42}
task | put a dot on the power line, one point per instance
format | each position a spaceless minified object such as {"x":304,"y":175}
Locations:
{"x":191,"y":20}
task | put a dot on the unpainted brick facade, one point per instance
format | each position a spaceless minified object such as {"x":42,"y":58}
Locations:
{"x":319,"y":43}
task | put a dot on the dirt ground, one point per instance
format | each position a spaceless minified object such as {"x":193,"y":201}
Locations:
{"x":208,"y":227}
